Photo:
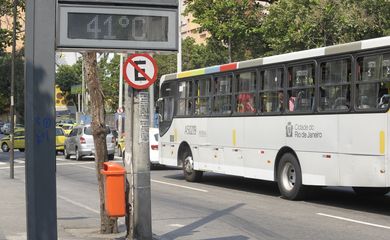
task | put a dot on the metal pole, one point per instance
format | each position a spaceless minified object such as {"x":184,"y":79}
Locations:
{"x":82,"y":88}
{"x":41,"y":205}
{"x":179,"y":58}
{"x":129,"y":158}
{"x":78,"y":102}
{"x":12,"y":112}
{"x":120,"y":104}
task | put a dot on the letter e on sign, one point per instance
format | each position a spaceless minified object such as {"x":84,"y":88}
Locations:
{"x":140,"y":71}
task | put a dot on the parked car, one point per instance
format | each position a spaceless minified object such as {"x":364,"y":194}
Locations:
{"x":6,"y":129}
{"x":80,"y":143}
{"x":60,"y":140}
{"x":67,"y":127}
{"x":116,"y":135}
{"x":19,"y":141}
{"x":153,"y":146}
{"x":1,"y":126}
{"x":121,"y":146}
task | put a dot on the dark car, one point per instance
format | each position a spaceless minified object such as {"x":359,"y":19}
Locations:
{"x":1,"y":125}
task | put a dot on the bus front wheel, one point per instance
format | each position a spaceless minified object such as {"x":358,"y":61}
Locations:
{"x":290,"y":178}
{"x":190,"y":174}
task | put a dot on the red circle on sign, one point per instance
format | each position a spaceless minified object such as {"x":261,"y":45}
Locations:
{"x":151,"y":80}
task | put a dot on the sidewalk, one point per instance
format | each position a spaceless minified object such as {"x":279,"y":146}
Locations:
{"x":13,"y":215}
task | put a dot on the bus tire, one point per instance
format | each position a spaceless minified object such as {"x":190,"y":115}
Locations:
{"x":289,"y":177}
{"x":190,"y":174}
{"x":371,"y":191}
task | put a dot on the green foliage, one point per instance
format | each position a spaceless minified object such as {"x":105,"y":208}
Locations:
{"x":5,"y":83}
{"x":69,"y":75}
{"x":198,"y":56}
{"x":234,"y":22}
{"x":293,"y":25}
{"x":109,"y":80}
{"x":6,"y":8}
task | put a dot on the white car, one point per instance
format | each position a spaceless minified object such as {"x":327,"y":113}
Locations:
{"x":153,"y":146}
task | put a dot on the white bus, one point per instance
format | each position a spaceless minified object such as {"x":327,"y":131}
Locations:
{"x":317,"y":117}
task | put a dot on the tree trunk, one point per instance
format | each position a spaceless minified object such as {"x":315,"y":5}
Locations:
{"x":107,"y":224}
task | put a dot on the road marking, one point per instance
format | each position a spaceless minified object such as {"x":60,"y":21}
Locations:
{"x":78,"y":204}
{"x":354,"y":221}
{"x":88,"y":167}
{"x":4,"y":168}
{"x":58,"y":164}
{"x":83,"y":206}
{"x":74,"y":163}
{"x":176,"y":225}
{"x":2,"y":163}
{"x":181,"y":186}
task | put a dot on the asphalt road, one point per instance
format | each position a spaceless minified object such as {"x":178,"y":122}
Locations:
{"x":221,"y":207}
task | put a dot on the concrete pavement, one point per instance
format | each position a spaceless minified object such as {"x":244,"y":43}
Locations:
{"x":72,"y":223}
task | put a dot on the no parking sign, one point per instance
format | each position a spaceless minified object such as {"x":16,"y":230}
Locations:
{"x":140,"y":71}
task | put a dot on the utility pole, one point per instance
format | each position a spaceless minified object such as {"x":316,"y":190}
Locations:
{"x":137,"y":164}
{"x":12,"y":112}
{"x":120,"y":104}
{"x":140,"y":73}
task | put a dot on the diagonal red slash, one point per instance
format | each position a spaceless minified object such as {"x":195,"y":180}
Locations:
{"x":140,"y":70}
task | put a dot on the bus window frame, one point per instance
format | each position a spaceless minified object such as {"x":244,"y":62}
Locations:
{"x":313,"y":61}
{"x":255,"y":92}
{"x":350,"y":83}
{"x":213,"y":95}
{"x":202,"y":77}
{"x":283,"y":88}
{"x":356,"y":82}
{"x":191,"y":114}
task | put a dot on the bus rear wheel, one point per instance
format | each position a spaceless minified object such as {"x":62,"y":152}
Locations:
{"x":289,"y":178}
{"x":371,"y":191}
{"x":190,"y":174}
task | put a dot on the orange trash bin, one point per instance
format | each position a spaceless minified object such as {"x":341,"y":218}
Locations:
{"x":114,"y":189}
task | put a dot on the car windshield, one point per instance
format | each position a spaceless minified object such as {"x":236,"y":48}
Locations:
{"x":59,"y":132}
{"x":88,"y":130}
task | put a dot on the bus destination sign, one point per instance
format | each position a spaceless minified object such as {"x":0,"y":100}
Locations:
{"x":121,"y":28}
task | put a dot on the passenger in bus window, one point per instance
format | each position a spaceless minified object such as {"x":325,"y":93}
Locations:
{"x":281,"y":101}
{"x":245,"y":103}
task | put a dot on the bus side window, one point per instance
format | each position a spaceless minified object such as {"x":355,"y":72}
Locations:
{"x":335,"y":86}
{"x":301,"y":88}
{"x":202,"y":97}
{"x":271,"y":90}
{"x":373,"y":82}
{"x":245,"y":96}
{"x":223,"y":94}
